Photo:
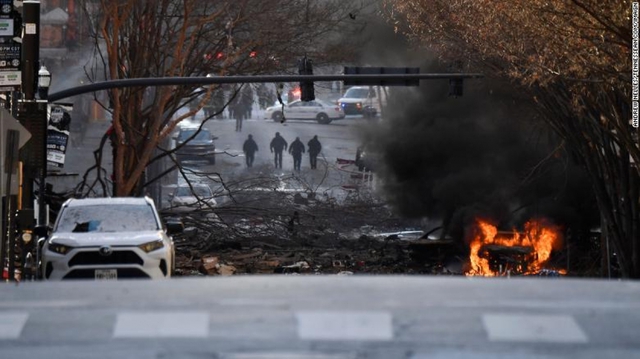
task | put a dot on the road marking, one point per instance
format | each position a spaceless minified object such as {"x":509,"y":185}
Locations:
{"x":475,"y":354}
{"x":344,"y":325}
{"x":162,"y":325}
{"x":540,"y":304}
{"x":533,"y":328}
{"x":44,"y":304}
{"x":287,"y":355}
{"x":11,"y":324}
{"x":248,"y":302}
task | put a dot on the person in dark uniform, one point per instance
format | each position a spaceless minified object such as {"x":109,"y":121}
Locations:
{"x":250,"y":148}
{"x":278,"y":144}
{"x":296,"y":149}
{"x":314,"y":149}
{"x":246,"y":101}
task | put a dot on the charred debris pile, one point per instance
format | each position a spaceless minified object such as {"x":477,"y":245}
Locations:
{"x":306,"y":234}
{"x":283,"y":233}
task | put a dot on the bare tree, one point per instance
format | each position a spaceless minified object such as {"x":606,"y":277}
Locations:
{"x":163,"y":38}
{"x":573,"y":59}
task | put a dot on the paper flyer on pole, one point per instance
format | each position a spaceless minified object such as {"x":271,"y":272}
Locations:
{"x":59,"y":116}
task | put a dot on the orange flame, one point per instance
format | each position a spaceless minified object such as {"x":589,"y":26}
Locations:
{"x":537,"y":241}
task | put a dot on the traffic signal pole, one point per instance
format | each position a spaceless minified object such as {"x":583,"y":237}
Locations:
{"x":31,"y":112}
{"x":30,"y":47}
{"x":173,"y":81}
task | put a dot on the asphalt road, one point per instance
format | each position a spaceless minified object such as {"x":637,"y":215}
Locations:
{"x":321,"y":317}
{"x":340,"y":139}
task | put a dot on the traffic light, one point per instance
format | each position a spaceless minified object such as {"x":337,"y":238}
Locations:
{"x":305,"y":67}
{"x":455,"y":87}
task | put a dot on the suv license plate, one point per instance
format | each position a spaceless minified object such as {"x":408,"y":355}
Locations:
{"x":106,"y":274}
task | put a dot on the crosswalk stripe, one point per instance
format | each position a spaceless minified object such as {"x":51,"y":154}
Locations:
{"x":344,"y":325}
{"x":162,"y":325}
{"x":11,"y":324}
{"x":533,"y":328}
{"x":287,"y":355}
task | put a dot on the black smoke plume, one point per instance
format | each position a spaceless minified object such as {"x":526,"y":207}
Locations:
{"x":487,"y":154}
{"x":483,"y":154}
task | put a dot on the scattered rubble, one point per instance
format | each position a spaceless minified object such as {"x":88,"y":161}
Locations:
{"x":364,"y":255}
{"x":271,"y":232}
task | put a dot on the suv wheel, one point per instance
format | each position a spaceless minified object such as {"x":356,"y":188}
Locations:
{"x":277,"y":116}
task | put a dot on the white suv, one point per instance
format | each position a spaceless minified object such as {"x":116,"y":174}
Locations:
{"x":109,"y":239}
{"x":362,"y":100}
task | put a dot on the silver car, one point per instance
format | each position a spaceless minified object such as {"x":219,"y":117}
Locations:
{"x":194,"y":197}
{"x":317,"y":110}
{"x":109,"y":239}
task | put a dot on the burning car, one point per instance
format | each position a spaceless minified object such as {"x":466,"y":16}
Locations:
{"x":496,"y":253}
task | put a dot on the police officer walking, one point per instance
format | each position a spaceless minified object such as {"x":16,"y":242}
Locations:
{"x":314,"y":149}
{"x":250,"y":147}
{"x":296,"y":149}
{"x":278,"y":144}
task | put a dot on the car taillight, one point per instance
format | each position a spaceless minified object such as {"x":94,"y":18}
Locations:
{"x":359,"y":105}
{"x":338,"y":109}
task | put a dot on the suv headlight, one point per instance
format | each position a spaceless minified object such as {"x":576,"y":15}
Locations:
{"x":151,"y":246}
{"x":59,"y":248}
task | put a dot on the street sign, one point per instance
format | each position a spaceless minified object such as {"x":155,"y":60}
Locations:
{"x":6,"y":7}
{"x":10,"y":64}
{"x":10,"y":47}
{"x":10,"y":78}
{"x":381,"y":71}
{"x":10,"y":55}
{"x":6,"y":27}
{"x":7,"y":124}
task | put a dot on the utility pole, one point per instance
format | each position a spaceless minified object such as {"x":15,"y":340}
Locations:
{"x":32,"y":114}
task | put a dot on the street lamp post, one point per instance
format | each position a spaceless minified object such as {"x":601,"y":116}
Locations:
{"x":44,"y":82}
{"x":32,"y":114}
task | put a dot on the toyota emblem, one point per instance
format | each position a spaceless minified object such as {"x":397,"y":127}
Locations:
{"x":105,"y":251}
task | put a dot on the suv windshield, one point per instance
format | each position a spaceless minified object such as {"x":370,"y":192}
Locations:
{"x":203,"y":135}
{"x":106,"y":218}
{"x":357,"y":93}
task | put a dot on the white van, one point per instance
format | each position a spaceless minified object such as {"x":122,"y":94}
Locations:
{"x":367,"y":101}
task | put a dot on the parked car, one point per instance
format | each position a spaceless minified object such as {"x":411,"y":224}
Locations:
{"x":109,"y":239}
{"x":362,"y":100}
{"x":316,"y":110}
{"x":197,"y":145}
{"x":192,"y":197}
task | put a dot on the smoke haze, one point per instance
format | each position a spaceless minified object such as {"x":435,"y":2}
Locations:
{"x":483,"y":154}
